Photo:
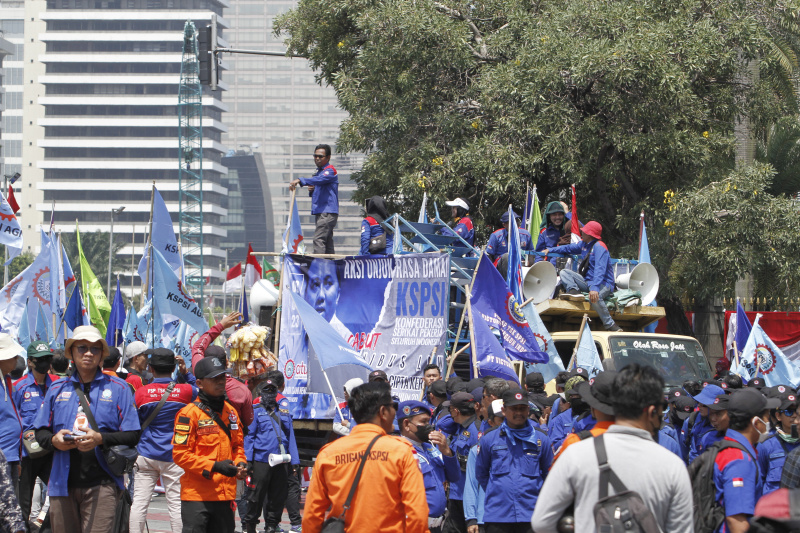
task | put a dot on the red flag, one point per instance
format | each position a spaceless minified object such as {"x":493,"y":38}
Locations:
{"x":252,"y":270}
{"x":576,"y":230}
{"x":11,"y":200}
{"x":233,"y":281}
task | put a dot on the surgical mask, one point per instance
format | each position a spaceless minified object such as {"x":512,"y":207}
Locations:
{"x":765,"y":422}
{"x":42,"y":365}
{"x":787,"y":437}
{"x":423,"y":432}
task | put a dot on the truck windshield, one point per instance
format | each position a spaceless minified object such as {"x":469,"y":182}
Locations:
{"x":677,"y":360}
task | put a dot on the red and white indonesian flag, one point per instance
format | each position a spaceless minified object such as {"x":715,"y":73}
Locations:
{"x":252,"y":270}
{"x":576,"y":227}
{"x":233,"y":281}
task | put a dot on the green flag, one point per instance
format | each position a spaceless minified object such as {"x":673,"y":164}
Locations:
{"x":96,"y":301}
{"x":211,"y":323}
{"x":535,"y":217}
{"x":270,"y":274}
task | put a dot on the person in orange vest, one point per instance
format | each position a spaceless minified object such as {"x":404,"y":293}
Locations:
{"x":209,"y":446}
{"x":390,"y":476}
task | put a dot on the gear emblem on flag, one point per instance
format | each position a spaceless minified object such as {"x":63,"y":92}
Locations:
{"x":513,"y":311}
{"x":41,"y":286}
{"x":542,"y":341}
{"x":766,"y":359}
{"x":11,"y":289}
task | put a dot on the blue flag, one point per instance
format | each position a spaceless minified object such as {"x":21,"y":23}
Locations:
{"x":44,"y":330}
{"x":587,"y":356}
{"x":293,"y":236}
{"x":116,"y":322}
{"x":743,"y":327}
{"x":184,"y":339}
{"x":131,"y":331}
{"x":644,"y":257}
{"x":514,"y":273}
{"x":762,"y":358}
{"x":24,"y":333}
{"x":244,"y":308}
{"x":491,"y":358}
{"x":75,"y":314}
{"x":162,"y":239}
{"x":11,"y":234}
{"x":171,"y":298}
{"x":498,"y":307}
{"x":555,"y":365}
{"x":150,"y":324}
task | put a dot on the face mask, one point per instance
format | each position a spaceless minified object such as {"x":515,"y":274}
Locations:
{"x":41,"y":366}
{"x":423,"y":433}
{"x":766,"y":423}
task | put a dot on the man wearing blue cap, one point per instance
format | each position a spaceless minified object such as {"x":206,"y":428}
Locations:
{"x":697,"y":425}
{"x":497,"y":247}
{"x":436,"y":460}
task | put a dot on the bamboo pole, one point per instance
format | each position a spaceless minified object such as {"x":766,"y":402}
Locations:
{"x":578,"y":342}
{"x":472,"y":336}
{"x":280,"y":289}
{"x":463,"y":313}
{"x":147,"y":246}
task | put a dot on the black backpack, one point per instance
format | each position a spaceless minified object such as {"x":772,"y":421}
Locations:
{"x":708,"y":513}
{"x":625,"y":511}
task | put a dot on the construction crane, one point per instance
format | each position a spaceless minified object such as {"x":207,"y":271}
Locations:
{"x":190,"y":163}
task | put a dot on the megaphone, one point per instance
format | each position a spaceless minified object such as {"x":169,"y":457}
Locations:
{"x":279,"y":458}
{"x":642,"y":278}
{"x":539,"y":281}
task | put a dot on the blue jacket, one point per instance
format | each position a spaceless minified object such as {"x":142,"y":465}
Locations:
{"x":28,"y":398}
{"x":511,"y":473}
{"x":325,"y":198}
{"x":371,"y":228}
{"x":346,"y":415}
{"x":473,"y":492}
{"x":586,"y":423}
{"x":111,"y":401}
{"x":699,"y":430}
{"x":548,"y":238}
{"x":262,"y":440}
{"x":771,"y":456}
{"x":436,"y":469}
{"x":667,"y":440}
{"x":736,"y":478}
{"x":466,"y":437}
{"x":156,"y":440}
{"x":444,"y":423}
{"x":10,"y":422}
{"x":600,"y":273}
{"x":561,"y":427}
{"x":498,"y":242}
{"x":463,"y":229}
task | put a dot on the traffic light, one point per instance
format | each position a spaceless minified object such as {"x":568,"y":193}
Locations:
{"x":206,"y":42}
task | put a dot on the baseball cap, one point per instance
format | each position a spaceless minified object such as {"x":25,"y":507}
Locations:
{"x":438,"y":389}
{"x":534,"y":380}
{"x":209,"y":367}
{"x":352,"y":383}
{"x":757,"y":383}
{"x":707,"y":382}
{"x":474,"y":384}
{"x":458,"y":202}
{"x":707,"y":395}
{"x":378,"y":375}
{"x":462,"y":401}
{"x":597,"y":391}
{"x":720,"y":403}
{"x":216,"y":352}
{"x":578,"y":371}
{"x":573,"y":382}
{"x":749,"y":403}
{"x":787,"y":399}
{"x":39,"y":349}
{"x":674,"y":394}
{"x":515,"y":396}
{"x":412,"y":408}
{"x":683,"y":407}
{"x":504,"y":217}
{"x":477,"y":394}
{"x":161,"y":357}
{"x":133,"y":349}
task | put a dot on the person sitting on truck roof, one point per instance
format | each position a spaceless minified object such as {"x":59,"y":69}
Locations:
{"x":463,"y":222}
{"x":595,"y":273}
{"x":553,"y":228}
{"x":497,"y":247}
{"x":371,"y":229}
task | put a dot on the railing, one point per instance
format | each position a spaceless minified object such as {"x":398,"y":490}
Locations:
{"x":757,"y":304}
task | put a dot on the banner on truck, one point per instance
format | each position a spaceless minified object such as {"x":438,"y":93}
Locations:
{"x":392,"y":309}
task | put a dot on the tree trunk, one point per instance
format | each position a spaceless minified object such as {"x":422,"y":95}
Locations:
{"x":677,"y":323}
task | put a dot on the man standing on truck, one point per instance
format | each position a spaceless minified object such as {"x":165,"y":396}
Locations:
{"x":323,"y":187}
{"x":595,"y":273}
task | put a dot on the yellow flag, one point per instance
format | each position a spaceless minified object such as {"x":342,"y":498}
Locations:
{"x":96,"y":302}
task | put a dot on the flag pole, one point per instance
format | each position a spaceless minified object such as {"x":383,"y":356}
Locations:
{"x":578,"y":342}
{"x":146,"y":288}
{"x":64,"y":318}
{"x":472,"y":337}
{"x":332,"y":393}
{"x":280,"y":289}
{"x":133,"y":241}
{"x":461,"y":322}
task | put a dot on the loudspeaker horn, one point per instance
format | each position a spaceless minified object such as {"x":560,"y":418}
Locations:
{"x":642,"y":278}
{"x":277,"y":458}
{"x":539,"y":281}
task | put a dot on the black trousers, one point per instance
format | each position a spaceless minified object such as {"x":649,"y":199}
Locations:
{"x":511,"y":527}
{"x":271,"y":485}
{"x":455,"y":522}
{"x":32,"y":469}
{"x":292,"y":500}
{"x":207,"y":517}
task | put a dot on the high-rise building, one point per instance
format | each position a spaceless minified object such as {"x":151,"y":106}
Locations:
{"x":278,"y":109}
{"x":11,"y":64}
{"x":101,"y":117}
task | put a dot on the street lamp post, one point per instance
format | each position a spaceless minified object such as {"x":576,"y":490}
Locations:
{"x":116,"y":211}
{"x":6,"y":179}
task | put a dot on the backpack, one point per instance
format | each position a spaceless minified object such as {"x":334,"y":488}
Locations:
{"x":377,"y":244}
{"x":687,"y":438}
{"x":708,"y":513}
{"x":625,"y":511}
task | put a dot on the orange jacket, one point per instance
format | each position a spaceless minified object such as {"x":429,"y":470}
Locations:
{"x":197,"y":444}
{"x":390,"y":496}
{"x":572,"y":438}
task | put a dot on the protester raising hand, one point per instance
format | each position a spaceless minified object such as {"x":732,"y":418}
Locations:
{"x":233,"y":319}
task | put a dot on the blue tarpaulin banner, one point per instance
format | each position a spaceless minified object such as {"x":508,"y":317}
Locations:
{"x":392,"y":310}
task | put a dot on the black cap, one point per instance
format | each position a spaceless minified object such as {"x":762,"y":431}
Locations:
{"x":757,"y":383}
{"x":578,"y":371}
{"x":534,"y":380}
{"x":707,"y":382}
{"x":515,"y":396}
{"x":684,"y":406}
{"x":463,"y":401}
{"x":460,"y":386}
{"x":209,"y":367}
{"x":597,"y":391}
{"x":438,"y":388}
{"x":270,"y":384}
{"x":748,"y":403}
{"x":787,"y":399}
{"x":216,"y":351}
{"x":378,"y":375}
{"x":550,"y":400}
{"x":720,"y":403}
{"x":161,"y":357}
{"x":474,"y":384}
{"x":674,"y":394}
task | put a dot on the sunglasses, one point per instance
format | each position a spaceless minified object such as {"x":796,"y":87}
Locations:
{"x":319,"y":156}
{"x":789,"y":412}
{"x":96,"y":350}
{"x":394,"y":405}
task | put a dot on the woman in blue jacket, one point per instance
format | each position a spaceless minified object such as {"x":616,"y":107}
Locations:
{"x":371,"y":226}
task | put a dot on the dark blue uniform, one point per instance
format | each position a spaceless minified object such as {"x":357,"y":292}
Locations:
{"x":463,"y":229}
{"x":436,"y":469}
{"x":560,"y":427}
{"x":371,"y":228}
{"x":498,"y":242}
{"x":736,"y":478}
{"x":771,"y":457}
{"x":696,"y":436}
